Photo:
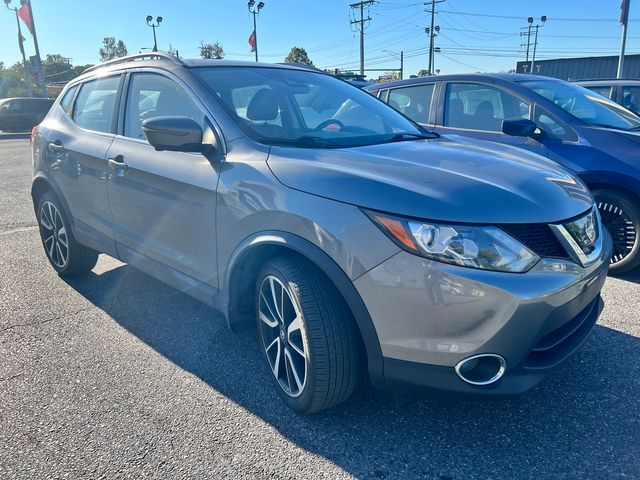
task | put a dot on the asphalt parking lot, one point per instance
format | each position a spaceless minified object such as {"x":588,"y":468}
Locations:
{"x":116,"y":375}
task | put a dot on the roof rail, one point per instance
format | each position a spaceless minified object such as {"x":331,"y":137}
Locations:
{"x":136,"y":56}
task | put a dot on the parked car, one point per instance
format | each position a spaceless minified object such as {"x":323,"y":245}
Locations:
{"x":625,"y":92}
{"x":350,"y":237}
{"x":592,"y":136}
{"x":22,"y":114}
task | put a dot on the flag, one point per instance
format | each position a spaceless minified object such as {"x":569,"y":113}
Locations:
{"x":23,"y":13}
{"x":21,"y":40}
{"x":624,"y":12}
{"x":252,"y":41}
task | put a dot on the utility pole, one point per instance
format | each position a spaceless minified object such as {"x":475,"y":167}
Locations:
{"x":432,"y":32}
{"x":360,"y":5}
{"x":624,"y":19}
{"x":255,"y":12}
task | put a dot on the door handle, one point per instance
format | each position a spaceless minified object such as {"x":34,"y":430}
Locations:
{"x":118,"y":164}
{"x":56,"y":147}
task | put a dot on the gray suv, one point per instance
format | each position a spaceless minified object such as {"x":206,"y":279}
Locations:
{"x":352,"y":239}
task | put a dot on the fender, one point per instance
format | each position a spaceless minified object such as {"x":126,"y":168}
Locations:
{"x":44,"y":178}
{"x":331,"y":269}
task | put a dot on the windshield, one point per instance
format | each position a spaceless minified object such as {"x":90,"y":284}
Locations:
{"x":305,"y":109}
{"x":585,"y":104}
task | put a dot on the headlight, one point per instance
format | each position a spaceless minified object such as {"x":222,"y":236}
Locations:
{"x":487,"y":248}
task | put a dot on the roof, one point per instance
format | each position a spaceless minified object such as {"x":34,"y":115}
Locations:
{"x":509,"y":77}
{"x":38,"y":99}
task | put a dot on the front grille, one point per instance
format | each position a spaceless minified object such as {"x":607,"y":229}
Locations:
{"x":538,"y":238}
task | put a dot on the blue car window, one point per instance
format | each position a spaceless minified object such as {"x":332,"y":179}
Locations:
{"x":475,"y":106}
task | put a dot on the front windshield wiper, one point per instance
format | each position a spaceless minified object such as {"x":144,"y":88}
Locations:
{"x":400,"y":137}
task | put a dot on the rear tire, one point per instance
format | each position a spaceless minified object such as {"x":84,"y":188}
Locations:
{"x":621,"y":216}
{"x":308,"y":336}
{"x":63,"y":251}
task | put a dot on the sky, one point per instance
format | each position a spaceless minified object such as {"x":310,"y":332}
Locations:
{"x":475,"y":35}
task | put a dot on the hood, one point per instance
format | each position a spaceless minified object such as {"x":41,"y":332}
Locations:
{"x":447,"y":179}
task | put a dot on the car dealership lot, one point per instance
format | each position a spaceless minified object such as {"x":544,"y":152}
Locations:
{"x":115,"y":374}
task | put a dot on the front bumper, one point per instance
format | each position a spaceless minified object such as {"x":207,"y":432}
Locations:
{"x":429,"y":316}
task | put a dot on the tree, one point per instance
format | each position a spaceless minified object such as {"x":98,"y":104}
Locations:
{"x":112,"y":49}
{"x":392,"y":76}
{"x":211,"y":50}
{"x":298,"y":55}
{"x":12,"y":81}
{"x":423,"y":73}
{"x":57,"y":68}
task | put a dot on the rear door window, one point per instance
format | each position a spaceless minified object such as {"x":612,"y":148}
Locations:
{"x":96,"y":103}
{"x":481,"y":107}
{"x":414,"y":101}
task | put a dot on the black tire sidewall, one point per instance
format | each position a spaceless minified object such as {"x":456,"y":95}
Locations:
{"x":302,"y":402}
{"x":632,"y":260}
{"x":72,"y":250}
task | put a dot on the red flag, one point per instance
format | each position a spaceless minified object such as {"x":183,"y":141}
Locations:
{"x":23,"y":13}
{"x":252,"y":41}
{"x":624,"y":12}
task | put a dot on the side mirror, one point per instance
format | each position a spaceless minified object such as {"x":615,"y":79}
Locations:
{"x":175,"y":134}
{"x":519,"y":127}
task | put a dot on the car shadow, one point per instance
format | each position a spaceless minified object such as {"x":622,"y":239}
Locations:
{"x":632,"y":276}
{"x":581,"y":422}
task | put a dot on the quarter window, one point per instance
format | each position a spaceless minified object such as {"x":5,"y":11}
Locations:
{"x":65,"y":103}
{"x":414,"y":102}
{"x":153,"y":95}
{"x":95,"y":105}
{"x":481,"y":107}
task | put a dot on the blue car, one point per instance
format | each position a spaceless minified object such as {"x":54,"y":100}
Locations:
{"x":589,"y":134}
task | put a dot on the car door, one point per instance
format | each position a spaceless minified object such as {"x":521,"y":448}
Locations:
{"x":163,"y":202}
{"x":76,"y":152}
{"x":10,"y":115}
{"x":477,"y":110}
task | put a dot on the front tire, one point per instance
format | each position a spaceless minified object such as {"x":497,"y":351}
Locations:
{"x":64,"y":253}
{"x":307,"y":335}
{"x":621,"y":216}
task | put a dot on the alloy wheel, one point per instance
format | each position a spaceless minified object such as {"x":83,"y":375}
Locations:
{"x":621,"y":228}
{"x":54,"y":234}
{"x":284,"y":336}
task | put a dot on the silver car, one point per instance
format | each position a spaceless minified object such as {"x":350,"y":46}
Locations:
{"x":352,"y":239}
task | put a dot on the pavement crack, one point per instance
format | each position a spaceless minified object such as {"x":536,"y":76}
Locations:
{"x":42,"y":322}
{"x":12,"y":377}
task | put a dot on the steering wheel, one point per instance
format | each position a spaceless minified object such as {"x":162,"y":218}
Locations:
{"x":326,"y":123}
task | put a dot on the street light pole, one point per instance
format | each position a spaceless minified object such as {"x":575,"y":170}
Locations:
{"x":27,"y":72}
{"x":40,"y":72}
{"x":154,"y":26}
{"x":254,"y":12}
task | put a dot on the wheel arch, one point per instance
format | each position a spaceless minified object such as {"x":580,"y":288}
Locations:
{"x":239,"y":280}
{"x":44,"y":183}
